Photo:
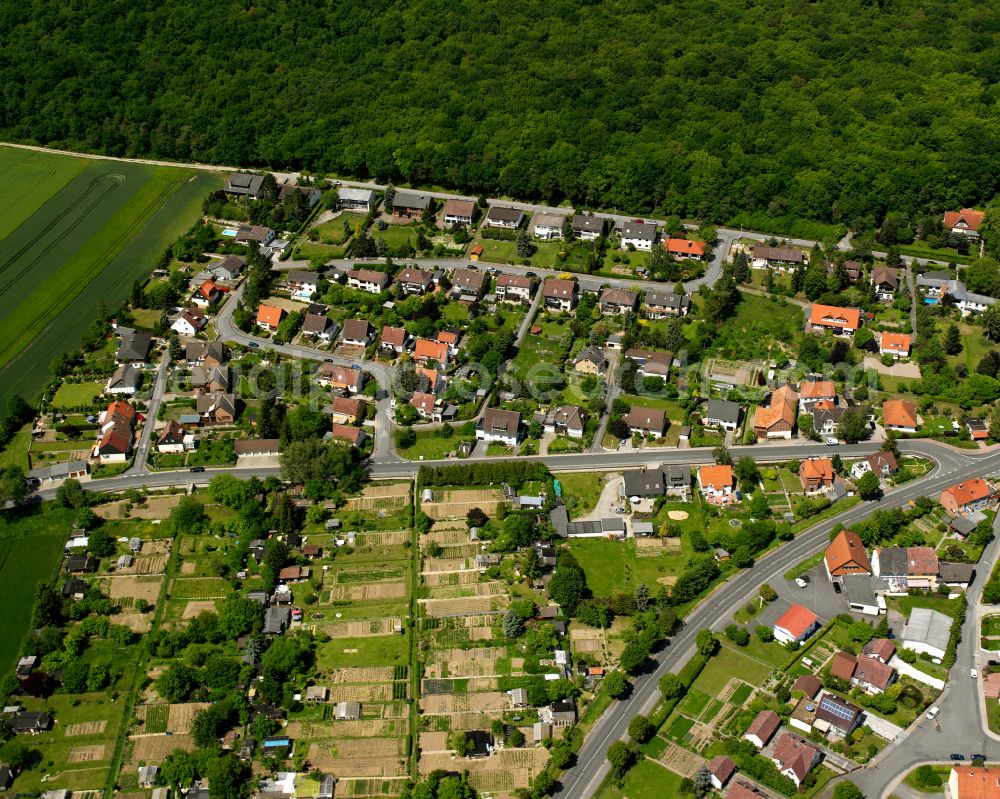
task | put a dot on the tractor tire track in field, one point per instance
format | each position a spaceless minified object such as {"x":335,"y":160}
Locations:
{"x":116,"y":181}
{"x":9,"y":349}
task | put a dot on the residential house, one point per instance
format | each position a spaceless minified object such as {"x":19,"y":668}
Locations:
{"x":255,"y":234}
{"x":394,"y":340}
{"x":559,"y":295}
{"x":205,"y":380}
{"x":171,"y":438}
{"x":814,"y":391}
{"x":842,"y":321}
{"x":835,"y":717}
{"x":647,"y":421}
{"x":762,"y":728}
{"x":302,"y":283}
{"x":816,"y":474}
{"x":115,"y":434}
{"x":978,"y":429}
{"x":80,"y":564}
{"x":409,"y":205}
{"x":414,"y":281}
{"x":640,"y":235}
{"x":207,"y":293}
{"x":880,"y":649}
{"x":228,"y":268}
{"x":318,"y":326}
{"x":927,"y":631}
{"x":257,"y":448}
{"x":216,"y":408}
{"x":501,"y":217}
{"x":125,"y":380}
{"x":276,"y":620}
{"x":346,"y":410}
{"x":190,"y":323}
{"x":853,"y":269}
{"x":794,"y":757}
{"x":762,"y":257}
{"x":590,"y":361}
{"x":425,"y":351}
{"x":134,"y":347}
{"x":355,"y":199}
{"x":724,"y":414}
{"x":906,"y":567}
{"x":205,"y":353}
{"x":809,"y":684}
{"x":269,"y":317}
{"x":895,"y":344}
{"x":341,"y":378}
{"x":964,"y":223}
{"x":720,"y":770}
{"x":900,"y":415}
{"x":826,"y":421}
{"x":513,"y":288}
{"x":846,"y":555}
{"x":777,"y":419}
{"x":685,"y":248}
{"x":368,"y":280}
{"x":468,"y":285}
{"x":310,"y":194}
{"x":29,"y":722}
{"x":500,"y":426}
{"x":355,"y":436}
{"x":58,"y":472}
{"x":427,"y":405}
{"x":651,"y":363}
{"x":243,"y":184}
{"x":795,"y":624}
{"x":588,"y":227}
{"x":872,"y":675}
{"x":665,"y":304}
{"x":458,"y":213}
{"x":560,"y":714}
{"x":885,"y":279}
{"x":717,"y":484}
{"x":357,"y":333}
{"x":547,"y":226}
{"x":967,"y":497}
{"x":566,"y":420}
{"x":882,"y":463}
{"x":617,"y":302}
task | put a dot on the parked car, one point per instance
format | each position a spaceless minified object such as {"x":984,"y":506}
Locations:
{"x":801,"y":582}
{"x":973,"y":673}
{"x":198,"y":469}
{"x":253,"y":345}
{"x":958,"y":757}
{"x":933,"y":712}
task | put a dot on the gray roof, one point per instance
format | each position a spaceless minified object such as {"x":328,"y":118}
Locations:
{"x":276,"y":620}
{"x":356,"y":195}
{"x":503,"y":214}
{"x":858,"y":588}
{"x":560,"y":520}
{"x":956,"y":572}
{"x":584,"y":223}
{"x":962,"y":525}
{"x":820,"y":416}
{"x":316,"y":323}
{"x":126,"y":375}
{"x":244,"y":183}
{"x":893,"y":561}
{"x":667,"y":299}
{"x":592,"y":353}
{"x":134,"y":347}
{"x":929,"y":627}
{"x":644,"y":231}
{"x":724,"y":410}
{"x":644,"y":483}
{"x":642,"y":528}
{"x":407,"y":199}
{"x":302,"y":276}
{"x":58,"y":470}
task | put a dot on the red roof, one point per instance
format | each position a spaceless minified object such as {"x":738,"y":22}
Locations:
{"x":797,"y":620}
{"x":687,"y":247}
{"x":717,"y":477}
{"x":346,"y":406}
{"x":842,"y":665}
{"x":793,"y":754}
{"x":722,"y":768}
{"x":899,"y":413}
{"x":425,"y":349}
{"x":396,"y":336}
{"x":846,"y":555}
{"x":834,"y":316}
{"x":815,"y":389}
{"x":207,"y":289}
{"x":874,"y":672}
{"x":977,"y":782}
{"x":896,"y":342}
{"x":269,"y":315}
{"x":880,"y":647}
{"x":968,"y":491}
{"x":423,"y":402}
{"x":809,"y":684}
{"x":348,"y":433}
{"x":972,"y":219}
{"x":764,"y":726}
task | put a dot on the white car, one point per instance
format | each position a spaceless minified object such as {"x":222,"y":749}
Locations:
{"x":801,"y":583}
{"x":973,"y":673}
{"x":933,"y":713}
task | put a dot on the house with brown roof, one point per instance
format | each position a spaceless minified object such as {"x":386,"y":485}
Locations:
{"x":427,"y":405}
{"x":205,"y":380}
{"x":794,"y":757}
{"x":318,"y":326}
{"x":880,"y":649}
{"x":513,"y":288}
{"x":763,"y":728}
{"x":458,"y":213}
{"x":816,"y":474}
{"x":355,"y":436}
{"x":900,"y":415}
{"x":171,"y":438}
{"x":617,"y":302}
{"x":808,"y":684}
{"x":647,"y":421}
{"x":882,"y":463}
{"x":885,"y":279}
{"x":414,"y":281}
{"x":846,"y":555}
{"x":721,"y":770}
{"x":341,"y":378}
{"x":842,"y":321}
{"x":871,"y":675}
{"x":763,"y":257}
{"x":269,"y":317}
{"x":394,"y":340}
{"x":743,"y":790}
{"x":842,"y":666}
{"x":651,"y":363}
{"x":468,"y":285}
{"x":257,"y":447}
{"x":853,"y":269}
{"x":357,"y":333}
{"x":559,"y":295}
{"x":964,"y":223}
{"x":216,"y":408}
{"x":368,"y":280}
{"x":190,"y":323}
{"x":566,"y":420}
{"x":115,"y":434}
{"x":967,"y":497}
{"x":346,"y":410}
{"x":777,"y":419}
{"x":717,"y":484}
{"x":500,"y":426}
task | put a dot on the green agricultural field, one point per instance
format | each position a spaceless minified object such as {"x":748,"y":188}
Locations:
{"x":29,"y":554}
{"x":76,"y":232}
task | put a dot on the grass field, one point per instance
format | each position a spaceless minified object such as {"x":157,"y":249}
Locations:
{"x":646,"y":780}
{"x":80,"y":237}
{"x":76,"y":395}
{"x":29,"y":550}
{"x":612,"y":566}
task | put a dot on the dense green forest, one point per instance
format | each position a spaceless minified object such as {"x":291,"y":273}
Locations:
{"x":834,"y":110}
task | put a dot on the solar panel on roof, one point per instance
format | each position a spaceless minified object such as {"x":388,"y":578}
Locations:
{"x":836,"y":709}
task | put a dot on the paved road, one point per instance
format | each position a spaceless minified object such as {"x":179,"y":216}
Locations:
{"x":138,"y":467}
{"x":913,"y":304}
{"x":583,"y":780}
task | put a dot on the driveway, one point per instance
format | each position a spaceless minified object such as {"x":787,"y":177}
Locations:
{"x":609,"y":500}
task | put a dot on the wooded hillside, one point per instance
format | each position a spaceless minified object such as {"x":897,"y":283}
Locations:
{"x":834,"y":110}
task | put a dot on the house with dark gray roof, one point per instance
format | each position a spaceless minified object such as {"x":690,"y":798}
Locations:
{"x":243,"y":184}
{"x":133,"y":347}
{"x":722,"y":413}
{"x":588,"y":227}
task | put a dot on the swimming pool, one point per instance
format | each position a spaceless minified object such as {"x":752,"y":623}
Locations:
{"x":231,"y":233}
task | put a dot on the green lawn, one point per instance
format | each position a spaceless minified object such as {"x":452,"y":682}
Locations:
{"x":729,"y":663}
{"x":673,"y":410}
{"x":693,"y":703}
{"x":107,"y":219}
{"x":30,"y":548}
{"x":383,"y":650}
{"x":613,"y":567}
{"x":679,"y":729}
{"x":646,"y":780}
{"x":923,"y":250}
{"x":497,"y":252}
{"x":398,"y":235}
{"x":16,"y":451}
{"x":76,"y":395}
{"x":332,"y":232}
{"x":580,"y":490}
{"x":431,"y":446}
{"x":905,"y":604}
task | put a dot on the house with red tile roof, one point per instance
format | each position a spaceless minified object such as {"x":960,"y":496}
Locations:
{"x":900,"y":415}
{"x":777,"y":419}
{"x":207,"y":293}
{"x":721,"y":770}
{"x":974,"y":782}
{"x":880,"y":649}
{"x":968,"y":496}
{"x":794,"y":757}
{"x":717,"y":484}
{"x":742,"y":790}
{"x":763,"y":728}
{"x":426,"y":405}
{"x":355,"y":436}
{"x":964,"y":223}
{"x":269,"y":317}
{"x":872,"y":675}
{"x":685,"y":248}
{"x":425,"y":350}
{"x":341,"y":378}
{"x":795,"y":624}
{"x":816,"y":474}
{"x":846,"y":555}
{"x":394,"y":340}
{"x":894,"y":344}
{"x":842,"y":321}
{"x":809,"y":684}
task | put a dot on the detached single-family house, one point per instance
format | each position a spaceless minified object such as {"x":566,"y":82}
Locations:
{"x":216,"y":408}
{"x":395,"y":340}
{"x":685,"y":248}
{"x":795,"y":624}
{"x":640,"y":235}
{"x":974,"y":782}
{"x":590,"y":361}
{"x":964,"y":223}
{"x":762,"y":257}
{"x":302,"y":283}
{"x":205,"y":379}
{"x":513,"y":288}
{"x":885,"y":279}
{"x":228,"y":268}
{"x":345,"y":410}
{"x":468,"y":284}
{"x":269,"y":317}
{"x":115,"y":434}
{"x":816,"y":474}
{"x":646,"y":421}
{"x":414,"y":281}
{"x":502,"y":217}
{"x":205,"y":353}
{"x":255,"y":234}
{"x":559,"y":295}
{"x":900,"y":415}
{"x":895,"y":344}
{"x":724,"y":414}
{"x":341,"y":378}
{"x":967,"y":497}
{"x":651,"y":363}
{"x":762,"y":728}
{"x":244,"y":184}
{"x":777,"y":419}
{"x":498,"y":425}
{"x":425,"y":350}
{"x":720,"y":771}
{"x":171,"y":438}
{"x":355,"y":199}
{"x":357,"y":333}
{"x":665,"y":304}
{"x":882,"y":463}
{"x":846,"y":555}
{"x":369,"y":280}
{"x":318,"y":326}
{"x":427,"y":405}
{"x":207,"y":293}
{"x":345,"y":433}
{"x":827,"y":420}
{"x":547,"y":226}
{"x":408,"y":205}
{"x":134,"y":347}
{"x":717,"y":484}
{"x":617,"y":302}
{"x":588,"y":227}
{"x":566,"y":420}
{"x":125,"y":380}
{"x":458,"y":213}
{"x":842,"y":321}
{"x":190,"y":323}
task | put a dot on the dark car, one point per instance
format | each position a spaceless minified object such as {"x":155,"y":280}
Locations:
{"x":958,"y":757}
{"x":197,"y":468}
{"x":530,"y":274}
{"x":979,"y":757}
{"x":253,"y":345}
